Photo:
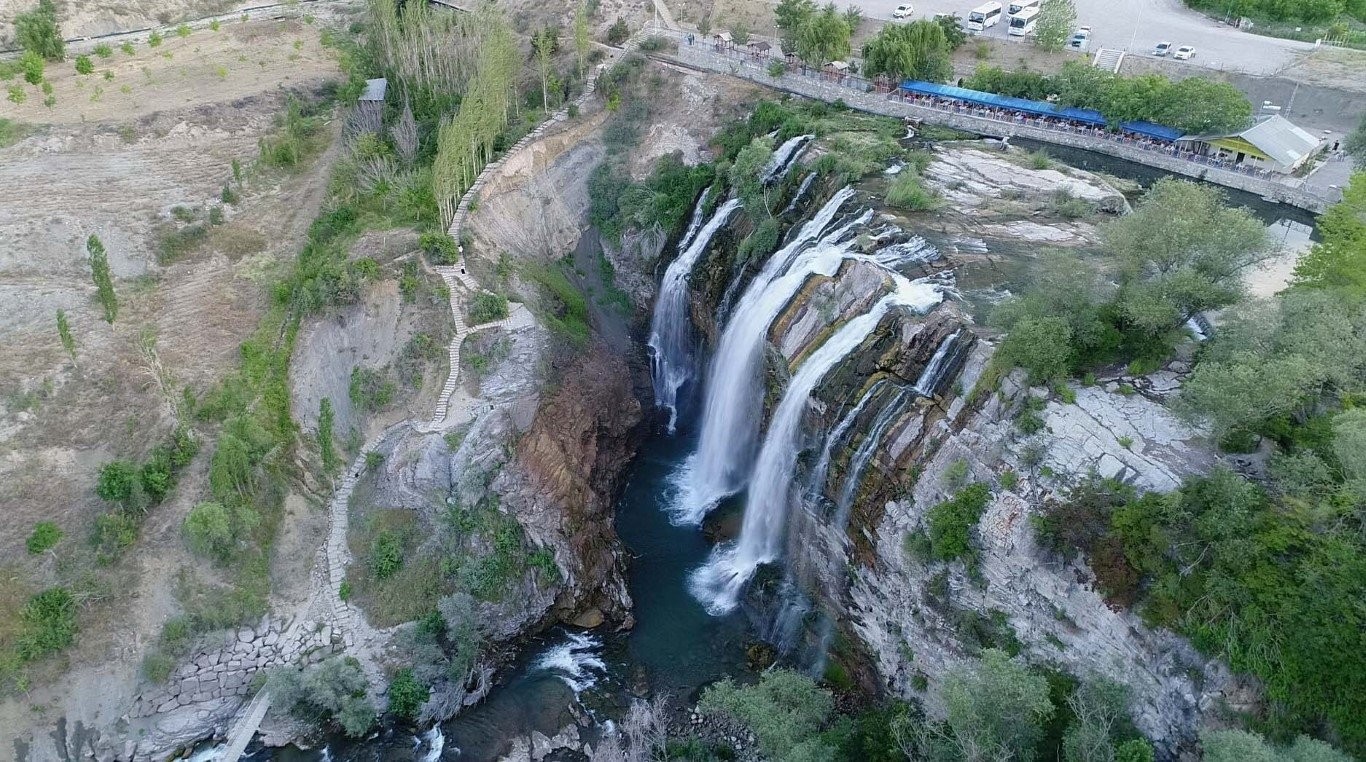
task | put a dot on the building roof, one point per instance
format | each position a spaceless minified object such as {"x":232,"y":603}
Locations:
{"x":1152,"y":130}
{"x":1274,"y":136}
{"x":374,"y":89}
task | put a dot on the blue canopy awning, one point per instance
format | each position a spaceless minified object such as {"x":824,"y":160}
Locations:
{"x":1038,"y":108}
{"x":1152,"y":130}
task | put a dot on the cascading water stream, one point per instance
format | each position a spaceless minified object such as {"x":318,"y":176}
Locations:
{"x":858,"y":462}
{"x":822,"y":469}
{"x":784,"y":156}
{"x":695,"y":221}
{"x":933,"y":373}
{"x":800,"y":194}
{"x":718,"y":584}
{"x":731,"y":412}
{"x":671,"y":334}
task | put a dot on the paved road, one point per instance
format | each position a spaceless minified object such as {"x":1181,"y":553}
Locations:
{"x":1136,"y":26}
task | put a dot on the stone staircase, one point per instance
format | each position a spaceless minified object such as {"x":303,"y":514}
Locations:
{"x":1108,"y":59}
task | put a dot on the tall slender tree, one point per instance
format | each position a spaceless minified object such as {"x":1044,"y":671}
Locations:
{"x":64,"y":333}
{"x":104,"y":283}
{"x":581,"y":39}
{"x":1056,"y":19}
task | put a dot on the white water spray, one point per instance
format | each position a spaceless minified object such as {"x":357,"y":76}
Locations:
{"x":929,"y":379}
{"x":575,"y":661}
{"x":671,"y":333}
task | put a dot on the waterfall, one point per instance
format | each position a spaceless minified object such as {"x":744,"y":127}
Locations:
{"x":718,"y":583}
{"x":822,"y":468}
{"x":734,"y":398}
{"x":864,"y":454}
{"x":695,"y":221}
{"x":800,"y":194}
{"x":784,"y":156}
{"x":671,"y":333}
{"x":930,"y":377}
{"x":576,"y":661}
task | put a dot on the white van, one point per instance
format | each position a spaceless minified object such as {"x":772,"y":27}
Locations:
{"x":984,"y":16}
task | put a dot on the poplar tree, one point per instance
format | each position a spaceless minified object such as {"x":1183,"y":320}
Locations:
{"x":64,"y":331}
{"x":104,"y":284}
{"x":581,"y":41}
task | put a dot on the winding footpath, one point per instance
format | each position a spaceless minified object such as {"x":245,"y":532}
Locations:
{"x":362,"y":641}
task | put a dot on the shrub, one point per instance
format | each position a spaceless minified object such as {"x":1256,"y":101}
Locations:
{"x":776,"y":69}
{"x":386,"y":554}
{"x":487,"y":307}
{"x":33,"y":65}
{"x":183,"y":30}
{"x":127,"y":48}
{"x":154,"y":39}
{"x":618,"y":32}
{"x":37,"y":31}
{"x":216,"y":215}
{"x":84,"y":65}
{"x":786,"y":711}
{"x":1040,"y":159}
{"x":951,"y":524}
{"x":208,"y":530}
{"x":907,"y":192}
{"x":229,"y":196}
{"x":118,"y":480}
{"x":406,"y":694}
{"x":370,"y":389}
{"x":49,"y":620}
{"x":439,"y":247}
{"x":103,"y":51}
{"x":655,"y":44}
{"x":157,"y":667}
{"x":44,"y":537}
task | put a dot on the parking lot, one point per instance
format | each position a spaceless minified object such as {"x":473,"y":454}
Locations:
{"x":1137,"y":26}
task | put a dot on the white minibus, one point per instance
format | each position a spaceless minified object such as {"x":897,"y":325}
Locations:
{"x":984,"y":16}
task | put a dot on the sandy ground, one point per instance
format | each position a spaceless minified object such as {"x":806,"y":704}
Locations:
{"x":118,"y":175}
{"x":83,"y":18}
{"x":206,"y":67}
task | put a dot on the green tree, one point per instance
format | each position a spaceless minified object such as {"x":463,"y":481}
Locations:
{"x":37,"y":31}
{"x":952,"y":524}
{"x":1100,"y":716}
{"x":64,"y":333}
{"x":917,"y":50}
{"x":1040,"y":345}
{"x":582,"y":43}
{"x":953,"y":31}
{"x":1349,"y":443}
{"x":543,"y":44}
{"x":823,"y":37}
{"x":104,"y":283}
{"x":1338,"y":260}
{"x":853,"y":16}
{"x":786,"y":711}
{"x":32,"y":64}
{"x":996,"y":708}
{"x":1057,"y":18}
{"x":1200,"y":105}
{"x":406,"y":695}
{"x":790,"y":16}
{"x":1180,"y":252}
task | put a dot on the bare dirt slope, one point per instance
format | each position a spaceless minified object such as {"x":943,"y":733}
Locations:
{"x":179,"y":325}
{"x":80,"y":18}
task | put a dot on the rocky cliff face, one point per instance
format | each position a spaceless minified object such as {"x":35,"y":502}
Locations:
{"x":895,"y":429}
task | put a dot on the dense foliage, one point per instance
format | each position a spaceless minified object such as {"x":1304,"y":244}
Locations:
{"x":37,"y":31}
{"x":816,"y":35}
{"x":1180,"y":252}
{"x":334,"y":690}
{"x":1283,"y":10}
{"x":1194,"y":104}
{"x":918,"y":50}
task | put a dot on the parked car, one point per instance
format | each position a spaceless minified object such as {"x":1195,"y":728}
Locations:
{"x":903,"y":11}
{"x":1183,"y":53}
{"x":1081,"y":40}
{"x":1162,"y":49}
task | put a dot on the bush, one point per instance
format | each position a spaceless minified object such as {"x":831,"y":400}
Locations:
{"x":1040,"y":159}
{"x":776,"y":69}
{"x":49,"y":623}
{"x":786,"y":712}
{"x":439,"y":247}
{"x":37,"y":31}
{"x":907,"y":192}
{"x":952,"y":522}
{"x":406,"y":694}
{"x":386,"y":555}
{"x":154,"y":39}
{"x":487,"y":307}
{"x":33,"y":65}
{"x":103,"y":51}
{"x":655,"y":44}
{"x":45,"y":536}
{"x":84,"y":65}
{"x":208,"y":530}
{"x":157,"y":667}
{"x":371,"y":389}
{"x":618,"y":32}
